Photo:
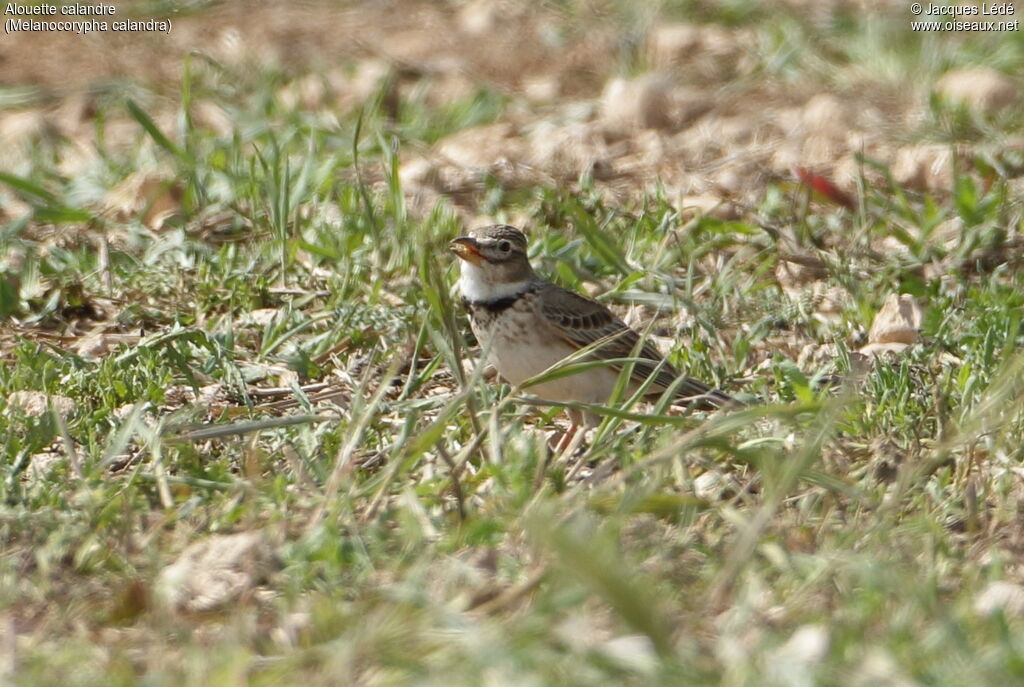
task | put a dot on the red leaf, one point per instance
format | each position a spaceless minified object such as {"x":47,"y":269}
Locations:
{"x":824,"y":187}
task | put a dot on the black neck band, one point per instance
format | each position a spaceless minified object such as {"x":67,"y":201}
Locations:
{"x":497,"y":305}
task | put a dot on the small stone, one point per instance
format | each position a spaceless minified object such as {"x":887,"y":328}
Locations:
{"x":880,"y":669}
{"x":567,"y":150}
{"x":819,"y":150}
{"x":1003,"y":596}
{"x":206,"y":114}
{"x":980,"y":88}
{"x":672,"y":44}
{"x":898,"y":321}
{"x":729,"y":181}
{"x":481,"y":146}
{"x":948,"y":232}
{"x":923,"y":167}
{"x":260,"y":317}
{"x":798,"y":271}
{"x":353,"y":87}
{"x":708,"y":205}
{"x":215,"y":572}
{"x":825,"y":114}
{"x":22,"y":125}
{"x":94,"y":346}
{"x":542,"y":88}
{"x":418,"y":173}
{"x":478,"y":17}
{"x":710,"y":485}
{"x":633,"y":652}
{"x":877,"y":350}
{"x":808,"y":644}
{"x":287,"y":634}
{"x":817,"y":355}
{"x":794,"y":662}
{"x":75,"y":113}
{"x":41,"y":464}
{"x":306,"y":93}
{"x":153,"y":195}
{"x":230,"y":47}
{"x":36,"y":403}
{"x":641,"y":103}
{"x":707,"y":48}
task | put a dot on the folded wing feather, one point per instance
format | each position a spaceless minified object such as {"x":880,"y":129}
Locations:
{"x":582,"y":322}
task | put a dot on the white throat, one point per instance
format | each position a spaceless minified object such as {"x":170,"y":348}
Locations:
{"x":474,"y":285}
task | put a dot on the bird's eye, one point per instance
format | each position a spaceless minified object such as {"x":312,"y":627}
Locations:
{"x":504,"y":246}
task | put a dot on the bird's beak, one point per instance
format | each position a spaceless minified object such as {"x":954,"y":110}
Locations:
{"x":468,"y":249}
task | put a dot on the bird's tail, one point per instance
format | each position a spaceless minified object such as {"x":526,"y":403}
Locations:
{"x":698,"y":395}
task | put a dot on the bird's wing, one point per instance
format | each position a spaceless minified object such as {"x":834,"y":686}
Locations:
{"x":581,"y":322}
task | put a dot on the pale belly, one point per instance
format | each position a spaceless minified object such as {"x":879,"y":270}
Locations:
{"x":519,"y":351}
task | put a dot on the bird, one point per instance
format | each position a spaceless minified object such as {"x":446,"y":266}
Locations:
{"x":527,"y":324}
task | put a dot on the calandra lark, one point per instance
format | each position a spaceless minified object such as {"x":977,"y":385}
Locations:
{"x":526,"y":325}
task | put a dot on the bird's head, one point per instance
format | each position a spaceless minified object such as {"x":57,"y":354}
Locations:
{"x":494,"y":255}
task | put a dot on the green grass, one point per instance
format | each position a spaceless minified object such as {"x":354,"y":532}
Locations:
{"x":419,"y":532}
